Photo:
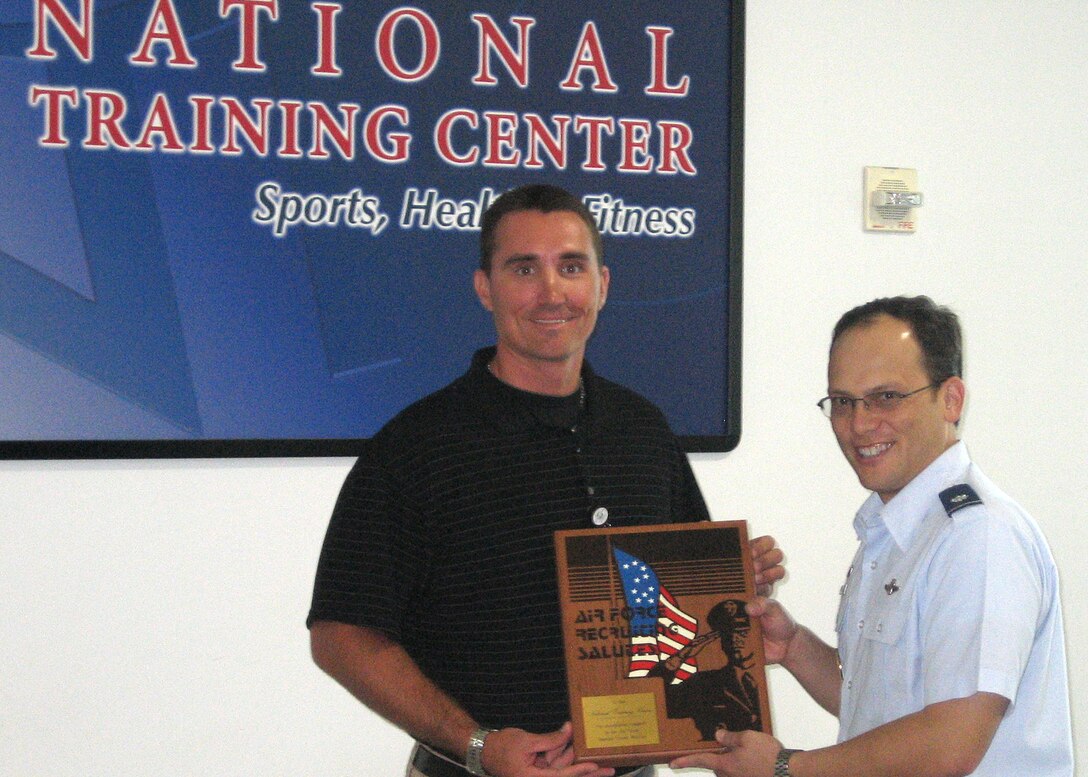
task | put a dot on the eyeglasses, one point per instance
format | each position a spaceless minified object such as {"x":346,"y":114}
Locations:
{"x":880,"y":402}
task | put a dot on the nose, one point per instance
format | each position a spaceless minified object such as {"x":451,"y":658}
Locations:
{"x":862,"y":418}
{"x":551,"y":291}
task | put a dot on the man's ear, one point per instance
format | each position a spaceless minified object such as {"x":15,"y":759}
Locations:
{"x":955,"y":394}
{"x":482,"y":283}
{"x":605,"y":278}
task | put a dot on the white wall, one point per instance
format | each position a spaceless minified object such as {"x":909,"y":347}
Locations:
{"x":153,"y":611}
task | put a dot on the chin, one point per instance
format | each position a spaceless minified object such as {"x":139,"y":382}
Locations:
{"x":868,"y":480}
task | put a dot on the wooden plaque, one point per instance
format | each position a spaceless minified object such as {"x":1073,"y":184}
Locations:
{"x":659,"y":650}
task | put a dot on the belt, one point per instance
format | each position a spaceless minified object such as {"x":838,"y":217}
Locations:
{"x":434,"y":765}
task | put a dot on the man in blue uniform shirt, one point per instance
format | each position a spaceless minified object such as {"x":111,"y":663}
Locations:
{"x":951,"y":656}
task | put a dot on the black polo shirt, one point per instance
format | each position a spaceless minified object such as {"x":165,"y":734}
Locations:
{"x":442,"y":534}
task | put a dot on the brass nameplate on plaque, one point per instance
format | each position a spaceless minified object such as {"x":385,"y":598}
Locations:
{"x":659,"y":649}
{"x":621,"y":720}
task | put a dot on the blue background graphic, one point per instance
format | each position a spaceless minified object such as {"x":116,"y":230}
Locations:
{"x":143,"y":310}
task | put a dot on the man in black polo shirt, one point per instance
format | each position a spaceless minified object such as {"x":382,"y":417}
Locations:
{"x":436,"y":599}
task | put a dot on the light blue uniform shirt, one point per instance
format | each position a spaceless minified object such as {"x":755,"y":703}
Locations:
{"x":939,"y":606}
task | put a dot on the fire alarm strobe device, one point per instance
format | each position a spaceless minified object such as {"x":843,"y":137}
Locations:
{"x":891,"y":199}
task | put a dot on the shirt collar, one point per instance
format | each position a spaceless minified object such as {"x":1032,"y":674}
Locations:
{"x":904,"y":513}
{"x":512,"y":409}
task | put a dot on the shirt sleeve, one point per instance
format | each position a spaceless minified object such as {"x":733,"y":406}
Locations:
{"x":373,"y":554}
{"x":981,"y":607}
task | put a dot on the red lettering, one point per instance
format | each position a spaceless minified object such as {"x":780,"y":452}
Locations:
{"x":249,"y":57}
{"x":325,"y":126}
{"x":594,"y":126}
{"x":163,"y":26}
{"x":326,"y":39}
{"x":676,"y":139}
{"x":289,"y":147}
{"x":79,"y":35}
{"x":501,"y":137}
{"x":635,"y":134}
{"x":443,"y":144}
{"x":589,"y":55}
{"x":54,"y":113}
{"x":659,"y":84}
{"x":372,"y":134}
{"x":491,"y":39}
{"x":555,"y":146}
{"x":429,"y":38}
{"x":202,"y":121}
{"x":254,"y":131}
{"x":104,"y":113}
{"x":160,"y":123}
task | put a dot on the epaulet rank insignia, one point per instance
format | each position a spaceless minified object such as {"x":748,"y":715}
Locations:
{"x":959,"y":497}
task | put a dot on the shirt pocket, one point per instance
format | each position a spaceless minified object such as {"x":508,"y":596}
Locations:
{"x":886,"y":623}
{"x":886,"y":641}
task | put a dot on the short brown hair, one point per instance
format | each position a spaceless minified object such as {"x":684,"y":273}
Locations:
{"x":538,"y":196}
{"x":936,"y":327}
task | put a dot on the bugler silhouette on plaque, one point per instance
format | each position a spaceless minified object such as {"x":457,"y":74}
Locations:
{"x":660,"y":652}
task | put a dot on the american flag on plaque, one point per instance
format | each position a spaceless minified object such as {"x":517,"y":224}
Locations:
{"x":659,"y":628}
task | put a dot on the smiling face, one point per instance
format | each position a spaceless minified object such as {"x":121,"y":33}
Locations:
{"x":544,"y":290}
{"x":889,"y":450}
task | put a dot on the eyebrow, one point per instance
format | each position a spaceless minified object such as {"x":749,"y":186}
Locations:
{"x":877,"y":390}
{"x":568,"y":256}
{"x":519,"y":259}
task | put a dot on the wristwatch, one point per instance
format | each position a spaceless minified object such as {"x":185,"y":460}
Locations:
{"x":782,"y":763}
{"x":475,"y":751}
